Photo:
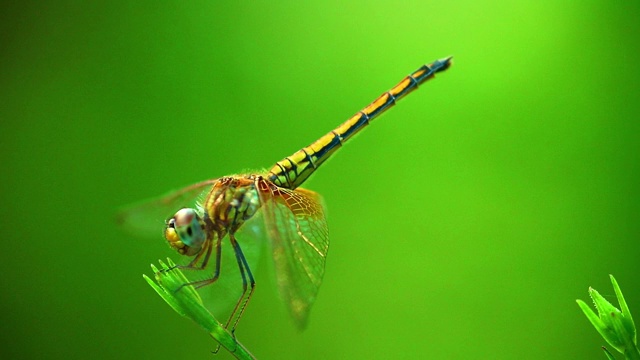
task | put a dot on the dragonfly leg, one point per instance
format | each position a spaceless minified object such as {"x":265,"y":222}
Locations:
{"x":192,"y":263}
{"x":203,"y":265}
{"x":247,"y":286}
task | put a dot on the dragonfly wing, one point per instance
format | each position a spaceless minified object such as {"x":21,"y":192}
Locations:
{"x":297,"y":227}
{"x":148,"y":217}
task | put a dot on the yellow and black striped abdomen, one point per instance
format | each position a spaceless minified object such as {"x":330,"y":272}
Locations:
{"x":293,"y":170}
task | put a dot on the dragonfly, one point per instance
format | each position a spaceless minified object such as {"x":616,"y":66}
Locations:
{"x":294,"y":219}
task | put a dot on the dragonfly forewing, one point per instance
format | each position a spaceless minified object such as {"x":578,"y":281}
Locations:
{"x":148,"y":217}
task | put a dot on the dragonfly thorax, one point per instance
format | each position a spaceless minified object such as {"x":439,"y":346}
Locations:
{"x":185,"y":232}
{"x":232,"y":201}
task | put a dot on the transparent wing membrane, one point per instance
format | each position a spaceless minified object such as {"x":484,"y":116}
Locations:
{"x":147,"y":218}
{"x":221,"y":296}
{"x":297,"y":227}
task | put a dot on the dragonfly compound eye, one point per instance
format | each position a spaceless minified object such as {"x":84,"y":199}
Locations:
{"x":184,"y":232}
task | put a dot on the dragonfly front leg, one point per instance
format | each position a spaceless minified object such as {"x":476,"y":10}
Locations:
{"x":192,"y":263}
{"x":248,"y":285}
{"x":205,"y":261}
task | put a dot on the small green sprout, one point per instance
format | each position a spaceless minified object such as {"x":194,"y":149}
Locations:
{"x":615,"y":326}
{"x":186,"y":302}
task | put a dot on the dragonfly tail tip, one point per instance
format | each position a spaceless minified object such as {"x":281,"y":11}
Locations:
{"x":442,"y":64}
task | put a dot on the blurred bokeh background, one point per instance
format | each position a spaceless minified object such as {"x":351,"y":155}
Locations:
{"x":464,"y":223}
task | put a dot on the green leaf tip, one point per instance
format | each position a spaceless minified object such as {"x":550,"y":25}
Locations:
{"x":614,"y":325}
{"x":609,"y":355}
{"x":173,"y":286}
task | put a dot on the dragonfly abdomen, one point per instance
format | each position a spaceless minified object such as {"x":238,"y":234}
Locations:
{"x":293,"y":170}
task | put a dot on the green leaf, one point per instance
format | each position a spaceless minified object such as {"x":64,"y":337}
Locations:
{"x":185,"y":300}
{"x":615,"y":326}
{"x":609,"y":355}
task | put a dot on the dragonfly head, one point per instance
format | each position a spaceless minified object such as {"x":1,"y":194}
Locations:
{"x":185,"y":232}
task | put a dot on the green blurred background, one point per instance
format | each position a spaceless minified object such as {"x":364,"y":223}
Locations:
{"x":464,"y":223}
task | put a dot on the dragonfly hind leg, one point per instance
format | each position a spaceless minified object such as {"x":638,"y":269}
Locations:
{"x":248,"y":285}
